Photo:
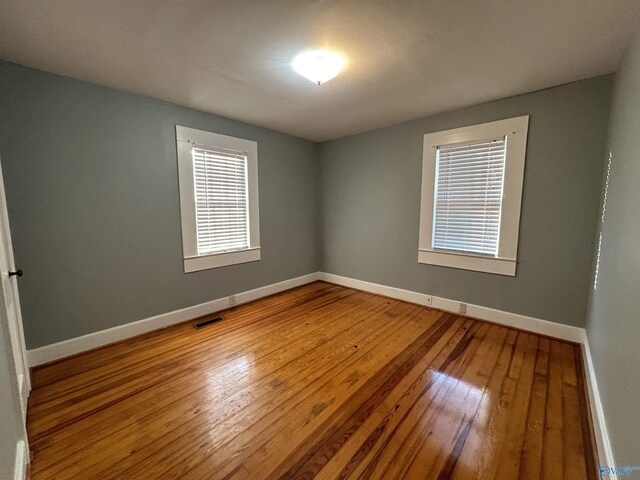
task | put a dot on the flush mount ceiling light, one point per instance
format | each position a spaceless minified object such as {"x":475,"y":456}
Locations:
{"x":319,"y":66}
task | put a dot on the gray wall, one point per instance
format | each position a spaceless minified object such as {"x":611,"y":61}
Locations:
{"x":91,"y":181}
{"x":92,"y":189}
{"x":613,"y":323}
{"x":370,"y":204}
{"x":11,"y":427}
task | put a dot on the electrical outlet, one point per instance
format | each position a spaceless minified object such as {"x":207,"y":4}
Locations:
{"x":232,"y":300}
{"x":428,"y":300}
{"x":462,"y":308}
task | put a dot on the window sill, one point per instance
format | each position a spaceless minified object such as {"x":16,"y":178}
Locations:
{"x":465,"y":261}
{"x":215,"y":260}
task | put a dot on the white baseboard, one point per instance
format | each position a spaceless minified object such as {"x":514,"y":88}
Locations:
{"x":535,"y":325}
{"x":597,"y":411}
{"x":59,"y":350}
{"x":21,"y":461}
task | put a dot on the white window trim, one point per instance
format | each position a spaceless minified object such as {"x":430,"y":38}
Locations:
{"x":504,"y":263}
{"x":185,"y":138}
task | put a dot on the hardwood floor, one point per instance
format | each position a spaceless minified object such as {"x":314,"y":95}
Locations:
{"x":317,"y":382}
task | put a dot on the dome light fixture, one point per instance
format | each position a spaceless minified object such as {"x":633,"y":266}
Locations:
{"x":319,"y":66}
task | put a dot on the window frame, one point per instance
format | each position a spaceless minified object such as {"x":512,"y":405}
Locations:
{"x":185,"y":138}
{"x":504,"y":263}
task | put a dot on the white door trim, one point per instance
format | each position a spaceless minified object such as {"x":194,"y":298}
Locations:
{"x":16,"y":331}
{"x":21,"y":461}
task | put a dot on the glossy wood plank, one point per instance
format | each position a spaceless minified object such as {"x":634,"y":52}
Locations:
{"x":317,"y":382}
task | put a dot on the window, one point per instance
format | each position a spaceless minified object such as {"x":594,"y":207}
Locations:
{"x":218,"y":199}
{"x":471,"y":194}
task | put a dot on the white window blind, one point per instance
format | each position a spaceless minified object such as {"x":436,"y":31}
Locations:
{"x":220,"y":178}
{"x":468,"y":196}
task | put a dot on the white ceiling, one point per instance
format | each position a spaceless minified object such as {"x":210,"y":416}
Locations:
{"x":407,"y":58}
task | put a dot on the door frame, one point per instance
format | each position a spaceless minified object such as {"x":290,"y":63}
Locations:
{"x":16,"y":331}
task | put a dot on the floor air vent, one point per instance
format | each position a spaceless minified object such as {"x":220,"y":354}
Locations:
{"x":206,"y":323}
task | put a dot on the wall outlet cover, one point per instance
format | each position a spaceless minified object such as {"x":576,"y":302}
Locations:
{"x":232,"y":300}
{"x":462,"y":308}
